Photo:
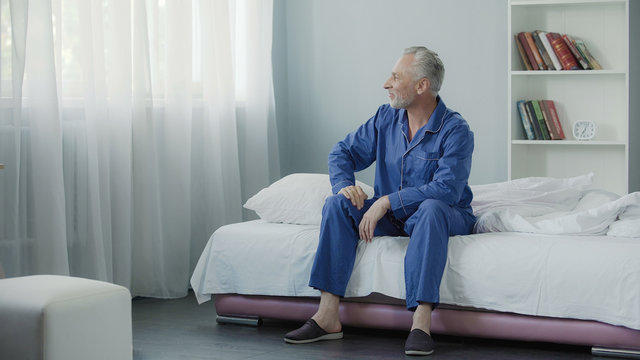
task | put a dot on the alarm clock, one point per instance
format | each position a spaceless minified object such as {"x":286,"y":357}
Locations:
{"x":584,"y":130}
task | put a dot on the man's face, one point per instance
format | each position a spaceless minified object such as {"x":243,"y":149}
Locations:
{"x":401,"y":85}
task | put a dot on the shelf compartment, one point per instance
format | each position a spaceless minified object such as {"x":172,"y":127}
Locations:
{"x":601,"y":24}
{"x":564,"y":2}
{"x":607,"y":162}
{"x":567,"y":72}
{"x":568,"y":142}
{"x":601,"y":99}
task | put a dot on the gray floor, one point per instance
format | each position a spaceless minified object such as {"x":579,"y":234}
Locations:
{"x":182,"y":329}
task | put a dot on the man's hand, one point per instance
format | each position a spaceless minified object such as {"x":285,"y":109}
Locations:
{"x":372,"y":216}
{"x":355,"y":194}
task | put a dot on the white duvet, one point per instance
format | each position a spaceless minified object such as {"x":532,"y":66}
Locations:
{"x":555,"y":206}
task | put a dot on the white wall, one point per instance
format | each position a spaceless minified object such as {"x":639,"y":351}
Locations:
{"x":331,"y":58}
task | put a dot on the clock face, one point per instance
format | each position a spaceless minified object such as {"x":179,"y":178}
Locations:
{"x":584,"y":130}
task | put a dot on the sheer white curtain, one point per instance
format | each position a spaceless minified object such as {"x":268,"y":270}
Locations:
{"x":129,"y":131}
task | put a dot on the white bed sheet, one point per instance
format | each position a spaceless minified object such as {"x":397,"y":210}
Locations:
{"x":580,"y":277}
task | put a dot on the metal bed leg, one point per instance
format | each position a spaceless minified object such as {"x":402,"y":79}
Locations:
{"x":239,"y":320}
{"x":618,"y":353}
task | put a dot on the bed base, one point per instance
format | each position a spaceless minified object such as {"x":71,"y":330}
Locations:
{"x":595,"y":350}
{"x":604,"y":339}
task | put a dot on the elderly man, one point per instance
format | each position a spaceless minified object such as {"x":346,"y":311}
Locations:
{"x":422,"y":152}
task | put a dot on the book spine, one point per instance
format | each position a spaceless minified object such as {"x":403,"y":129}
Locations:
{"x":526,"y":124}
{"x":542,"y":50}
{"x":532,"y":116}
{"x":540,"y":118}
{"x":548,"y":121}
{"x":549,"y":48}
{"x":534,"y":50}
{"x":527,"y":50}
{"x":554,"y":116}
{"x":523,"y":55}
{"x":563,"y":53}
{"x":569,"y":41}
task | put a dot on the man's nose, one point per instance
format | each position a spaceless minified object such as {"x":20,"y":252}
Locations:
{"x":387,"y":84}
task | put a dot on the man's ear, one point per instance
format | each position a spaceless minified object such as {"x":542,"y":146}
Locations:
{"x":422,"y":86}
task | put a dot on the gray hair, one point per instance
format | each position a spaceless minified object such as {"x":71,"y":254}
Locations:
{"x":428,"y":65}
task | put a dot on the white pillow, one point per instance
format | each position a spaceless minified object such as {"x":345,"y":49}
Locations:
{"x":295,"y":199}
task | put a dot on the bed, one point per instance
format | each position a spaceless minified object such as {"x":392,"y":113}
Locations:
{"x":550,"y":260}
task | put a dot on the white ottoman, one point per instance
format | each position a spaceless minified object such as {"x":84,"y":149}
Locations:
{"x":50,"y":317}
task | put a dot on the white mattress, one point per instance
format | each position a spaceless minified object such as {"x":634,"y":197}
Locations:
{"x":580,"y":277}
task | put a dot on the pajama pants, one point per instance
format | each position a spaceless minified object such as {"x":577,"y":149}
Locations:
{"x":429,"y":229}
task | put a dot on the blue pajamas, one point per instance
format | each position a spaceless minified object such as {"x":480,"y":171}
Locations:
{"x":429,"y":229}
{"x":426,"y":181}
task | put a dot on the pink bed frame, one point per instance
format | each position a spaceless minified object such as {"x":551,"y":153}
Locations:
{"x":604,"y":339}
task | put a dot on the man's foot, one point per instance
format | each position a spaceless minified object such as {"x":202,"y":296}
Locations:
{"x":419,"y":343}
{"x":310,"y":332}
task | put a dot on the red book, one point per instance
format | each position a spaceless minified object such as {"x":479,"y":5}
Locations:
{"x":523,"y":55}
{"x":553,"y":132}
{"x":534,"y":50}
{"x":550,"y":107}
{"x":563,"y":53}
{"x":527,"y":50}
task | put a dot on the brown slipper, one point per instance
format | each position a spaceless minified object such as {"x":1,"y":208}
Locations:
{"x":418,"y":343}
{"x":310,"y":332}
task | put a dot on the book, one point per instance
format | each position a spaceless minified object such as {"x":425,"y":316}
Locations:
{"x":567,"y":39}
{"x":555,"y":120}
{"x":531,"y":115}
{"x":534,"y":50}
{"x":543,"y":125}
{"x":523,"y":55}
{"x":526,"y":123}
{"x":527,"y":50}
{"x":582,"y":48}
{"x":553,"y":133}
{"x":547,"y":121}
{"x":563,"y":53}
{"x":549,"y":48}
{"x":542,"y":50}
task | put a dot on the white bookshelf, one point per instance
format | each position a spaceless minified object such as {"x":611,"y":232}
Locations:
{"x":598,"y":95}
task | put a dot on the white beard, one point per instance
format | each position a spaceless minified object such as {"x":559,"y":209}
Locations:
{"x":401,"y":102}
